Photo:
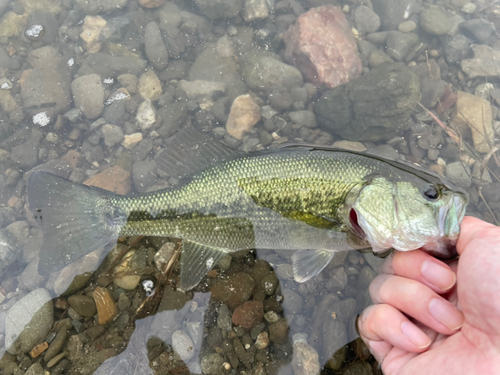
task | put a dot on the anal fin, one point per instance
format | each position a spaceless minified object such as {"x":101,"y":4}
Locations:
{"x":309,"y":263}
{"x":196,"y":261}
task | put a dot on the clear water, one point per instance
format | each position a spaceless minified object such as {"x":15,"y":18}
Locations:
{"x":156,"y":329}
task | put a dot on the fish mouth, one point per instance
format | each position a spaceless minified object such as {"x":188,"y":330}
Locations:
{"x":353,"y":221}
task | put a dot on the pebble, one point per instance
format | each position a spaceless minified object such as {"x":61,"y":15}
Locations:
{"x":305,"y":359}
{"x":114,"y":179}
{"x":212,"y":364}
{"x":278,"y":332}
{"x":92,"y":28}
{"x":244,"y":114}
{"x":350,"y":145}
{"x":28,"y":321}
{"x":292,"y":301}
{"x":146,"y":115}
{"x":183,"y":345}
{"x":435,"y":21}
{"x":366,"y":20}
{"x":113,"y":134}
{"x":83,"y":305}
{"x":150,"y":86}
{"x":400,"y":44}
{"x":131,"y":140}
{"x":469,"y":8}
{"x":480,"y":28}
{"x":459,"y":173}
{"x":255,"y":10}
{"x":154,"y":46}
{"x":224,"y":320}
{"x":202,"y":90}
{"x":88,"y":95}
{"x":35,"y":369}
{"x":127,"y":282}
{"x":234,"y":290}
{"x":407,"y":26}
{"x":303,"y":118}
{"x":106,"y":306}
{"x":56,"y":345}
{"x":144,"y":174}
{"x":54,"y":361}
{"x":475,"y":113}
{"x":248,"y":315}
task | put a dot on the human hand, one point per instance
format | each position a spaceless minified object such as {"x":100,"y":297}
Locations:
{"x":454,"y":309}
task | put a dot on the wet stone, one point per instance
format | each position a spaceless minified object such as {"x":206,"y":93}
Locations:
{"x":478,"y":28}
{"x":183,"y":345}
{"x":83,"y":305}
{"x":106,"y":306}
{"x":212,"y":364}
{"x":248,"y":315}
{"x":278,"y":332}
{"x":292,"y":302}
{"x":435,"y":21}
{"x":400,"y":44}
{"x":224,"y":318}
{"x":366,"y":20}
{"x":234,"y":290}
{"x":155,"y":48}
{"x":459,"y":173}
{"x":305,"y":360}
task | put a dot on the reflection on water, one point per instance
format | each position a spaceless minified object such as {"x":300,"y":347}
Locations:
{"x":92,"y":90}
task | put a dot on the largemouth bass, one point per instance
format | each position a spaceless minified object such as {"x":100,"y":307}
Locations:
{"x":311,"y":200}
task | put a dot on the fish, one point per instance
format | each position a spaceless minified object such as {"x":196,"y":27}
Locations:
{"x":312,"y":200}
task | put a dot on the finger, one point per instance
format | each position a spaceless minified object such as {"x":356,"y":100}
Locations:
{"x":418,"y":301}
{"x":379,"y":349}
{"x":385,"y":323}
{"x":472,"y":229}
{"x":420,"y":266}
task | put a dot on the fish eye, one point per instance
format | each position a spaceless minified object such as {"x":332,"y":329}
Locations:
{"x":431,"y":192}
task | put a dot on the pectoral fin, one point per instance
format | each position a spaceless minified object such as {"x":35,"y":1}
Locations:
{"x":196,"y":261}
{"x":309,"y":263}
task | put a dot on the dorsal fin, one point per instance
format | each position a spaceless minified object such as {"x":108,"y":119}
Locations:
{"x":190,"y":151}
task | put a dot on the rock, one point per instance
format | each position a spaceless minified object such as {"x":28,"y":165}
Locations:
{"x":171,"y":117}
{"x":456,"y":48}
{"x":292,"y":302}
{"x":478,"y":28}
{"x":150,"y":86}
{"x":215,"y":9}
{"x":322,"y":46}
{"x":459,"y":173}
{"x":106,"y":306}
{"x":435,"y":21}
{"x":128,"y":282}
{"x":114,"y":179}
{"x":131,"y":140}
{"x":92,"y":28}
{"x":469,"y":8}
{"x":202,"y":90}
{"x":378,"y":57}
{"x":146,"y":114}
{"x":366,"y":20}
{"x":88,"y":95}
{"x":28,"y":321}
{"x":56,"y":345}
{"x":26,"y":154}
{"x":348,"y":145}
{"x":41,"y":27}
{"x":303,"y":118}
{"x":264,"y":73}
{"x":109,"y":66}
{"x":129,"y":82}
{"x":35,"y":369}
{"x":244,"y":114}
{"x":113,"y":134}
{"x":173,"y":300}
{"x":278,"y":332}
{"x":486,"y":62}
{"x":212,"y":364}
{"x":30,"y":279}
{"x":224,"y":320}
{"x":46,"y":89}
{"x":255,"y":10}
{"x":155,"y":48}
{"x":393,"y":12}
{"x":262,"y":340}
{"x":373,"y":107}
{"x":12,"y":24}
{"x":400,"y":44}
{"x":234,"y":290}
{"x":83,"y":305}
{"x":101,"y":6}
{"x":334,"y":339}
{"x":248,"y":315}
{"x":407,"y":26}
{"x":475,"y":113}
{"x":149,"y":4}
{"x":305,"y":359}
{"x":144,"y":175}
{"x":213,"y":65}
{"x":183,"y":345}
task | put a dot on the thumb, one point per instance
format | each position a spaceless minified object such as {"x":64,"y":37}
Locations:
{"x":473,"y":229}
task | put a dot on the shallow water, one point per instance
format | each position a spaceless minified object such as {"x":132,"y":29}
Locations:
{"x":98,"y":86}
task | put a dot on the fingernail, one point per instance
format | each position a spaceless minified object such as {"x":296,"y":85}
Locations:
{"x":441,"y":277}
{"x":415,"y":335}
{"x":446,"y":314}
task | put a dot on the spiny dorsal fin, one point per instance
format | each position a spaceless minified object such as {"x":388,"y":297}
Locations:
{"x":190,"y":151}
{"x":196,"y":261}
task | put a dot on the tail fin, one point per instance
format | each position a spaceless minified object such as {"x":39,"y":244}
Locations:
{"x":67,"y":212}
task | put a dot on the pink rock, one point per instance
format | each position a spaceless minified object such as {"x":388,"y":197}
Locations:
{"x":322,"y":46}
